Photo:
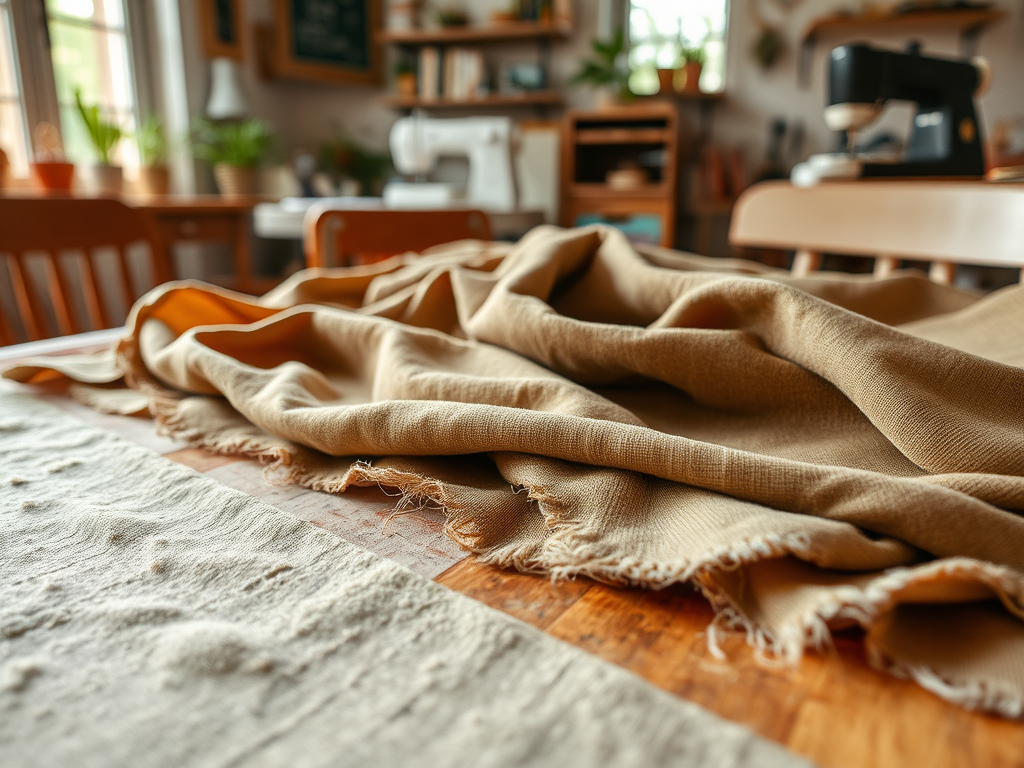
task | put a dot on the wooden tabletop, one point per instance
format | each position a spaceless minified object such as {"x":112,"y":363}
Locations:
{"x":184,"y":204}
{"x":833,"y":708}
{"x":195,"y":204}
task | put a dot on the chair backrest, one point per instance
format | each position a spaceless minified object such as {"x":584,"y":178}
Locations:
{"x":43,"y":230}
{"x":944,"y":222}
{"x":351,"y":237}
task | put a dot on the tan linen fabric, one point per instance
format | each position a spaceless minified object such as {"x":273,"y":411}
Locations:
{"x":577,"y":407}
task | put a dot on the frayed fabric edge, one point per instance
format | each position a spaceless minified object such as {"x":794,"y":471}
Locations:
{"x":865,"y":607}
{"x":562,"y":558}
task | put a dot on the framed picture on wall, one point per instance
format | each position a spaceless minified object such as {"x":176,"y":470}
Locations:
{"x":327,"y":40}
{"x":222,"y":26}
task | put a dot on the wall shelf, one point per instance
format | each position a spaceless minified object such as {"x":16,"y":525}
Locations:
{"x":491,"y":33}
{"x":964,"y":20}
{"x":685,"y":96}
{"x":969,"y":22}
{"x":495,"y":101}
{"x":449,"y":41}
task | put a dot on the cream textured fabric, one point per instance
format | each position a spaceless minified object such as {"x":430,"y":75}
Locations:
{"x":580,"y":408}
{"x":151,"y":617}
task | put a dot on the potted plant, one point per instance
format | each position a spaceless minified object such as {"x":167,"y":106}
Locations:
{"x":234,"y":150}
{"x":691,"y":60}
{"x":405,"y":76}
{"x":452,"y":16}
{"x":344,"y":159}
{"x":154,"y":176}
{"x":51,"y":171}
{"x":103,"y":176}
{"x":666,"y":80}
{"x":604,"y":71}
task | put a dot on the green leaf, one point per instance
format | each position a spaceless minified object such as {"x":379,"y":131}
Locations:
{"x":103,"y":134}
{"x":241,"y":144}
{"x":604,"y":68}
{"x":151,"y":141}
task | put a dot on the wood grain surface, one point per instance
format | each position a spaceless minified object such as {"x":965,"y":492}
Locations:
{"x":832,"y":708}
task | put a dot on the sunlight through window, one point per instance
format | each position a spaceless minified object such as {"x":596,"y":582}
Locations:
{"x":660,"y":29}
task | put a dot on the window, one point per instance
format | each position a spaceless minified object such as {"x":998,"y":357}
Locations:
{"x":58,"y":46}
{"x":657,"y":29}
{"x":90,"y":49}
{"x":13,"y":133}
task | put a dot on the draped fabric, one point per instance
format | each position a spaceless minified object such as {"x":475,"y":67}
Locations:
{"x":813,"y":453}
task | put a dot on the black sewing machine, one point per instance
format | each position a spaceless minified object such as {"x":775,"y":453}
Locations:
{"x":945,"y":139}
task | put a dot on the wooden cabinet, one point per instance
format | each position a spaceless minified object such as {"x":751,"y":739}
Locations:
{"x":597,"y":147}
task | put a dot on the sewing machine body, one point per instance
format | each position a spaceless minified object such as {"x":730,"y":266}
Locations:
{"x":945,"y":138}
{"x":417,"y":143}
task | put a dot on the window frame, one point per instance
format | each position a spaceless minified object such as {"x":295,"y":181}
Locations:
{"x":35,"y":64}
{"x":621,"y":9}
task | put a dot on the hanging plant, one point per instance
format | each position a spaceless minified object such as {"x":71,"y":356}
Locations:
{"x":768,"y":47}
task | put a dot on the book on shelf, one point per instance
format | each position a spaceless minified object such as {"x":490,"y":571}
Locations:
{"x":430,"y":73}
{"x":463,"y":74}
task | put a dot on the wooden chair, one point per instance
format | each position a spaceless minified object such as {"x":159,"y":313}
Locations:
{"x":353,"y":237}
{"x":943,"y":222}
{"x":43,"y":229}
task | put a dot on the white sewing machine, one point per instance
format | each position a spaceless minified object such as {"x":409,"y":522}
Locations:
{"x":418,"y":142}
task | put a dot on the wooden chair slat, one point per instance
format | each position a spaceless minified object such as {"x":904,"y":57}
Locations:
{"x":806,"y":262}
{"x":885,"y":266}
{"x":28,"y":311}
{"x":98,"y":315}
{"x":52,"y":225}
{"x":6,"y":331}
{"x":125,"y":277}
{"x":943,"y":272}
{"x":67,"y":324}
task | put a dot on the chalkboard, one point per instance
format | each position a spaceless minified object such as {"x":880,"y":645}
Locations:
{"x":332,"y":32}
{"x":329,"y":40}
{"x":222,"y":27}
{"x":226,"y":31}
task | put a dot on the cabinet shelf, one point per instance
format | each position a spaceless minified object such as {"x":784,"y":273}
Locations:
{"x":490,"y":33}
{"x":598,"y":191}
{"x":528,"y":99}
{"x":622,"y":136}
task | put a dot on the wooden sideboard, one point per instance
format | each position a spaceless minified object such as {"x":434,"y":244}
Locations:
{"x":597,"y":144}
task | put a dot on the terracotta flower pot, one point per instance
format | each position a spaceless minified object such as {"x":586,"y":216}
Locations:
{"x":53,"y":177}
{"x":104,"y":180}
{"x":406,"y":84}
{"x":154,"y":180}
{"x":689,"y":81}
{"x":666,"y":81}
{"x":236,"y":180}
